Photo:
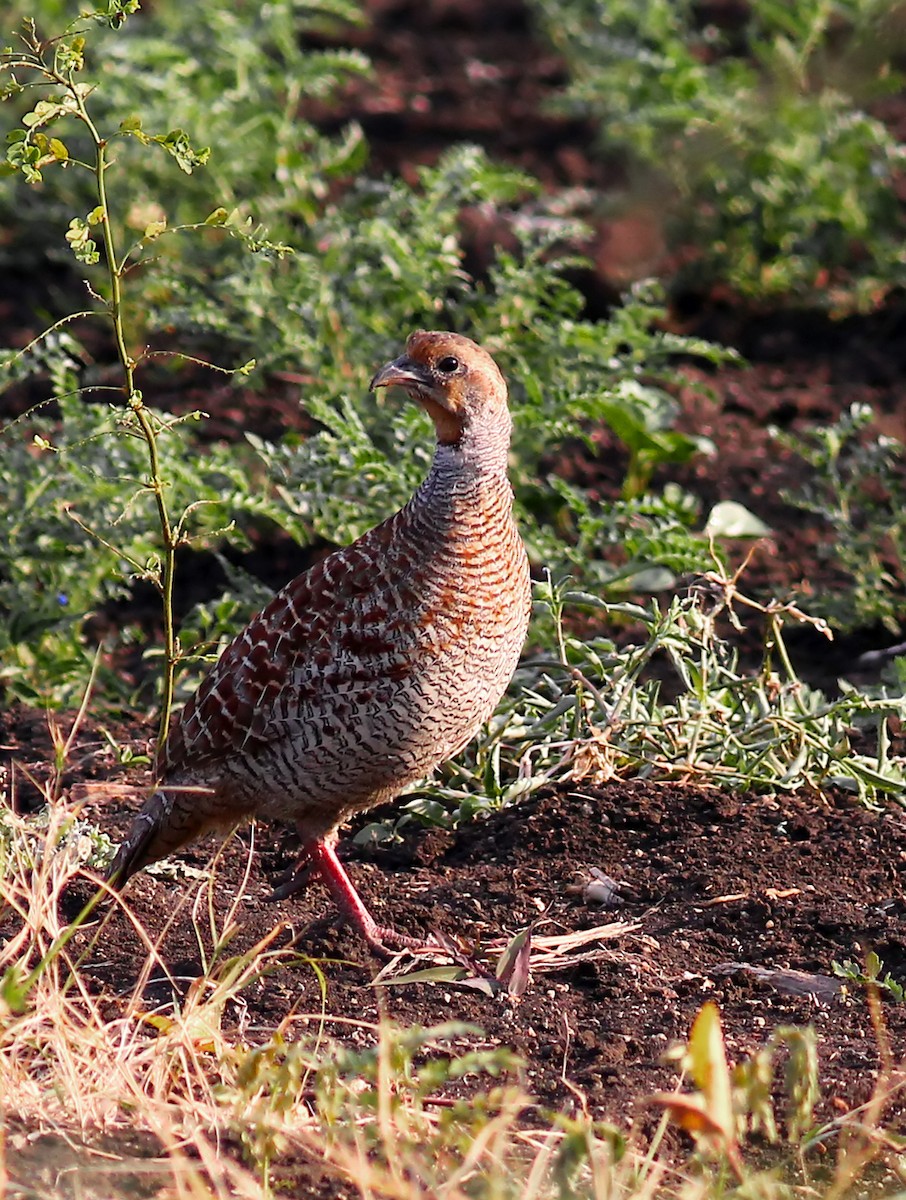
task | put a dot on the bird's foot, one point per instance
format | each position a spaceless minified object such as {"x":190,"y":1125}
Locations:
{"x":449,"y":958}
{"x":387,"y":943}
{"x":383,"y":941}
{"x":293,"y":880}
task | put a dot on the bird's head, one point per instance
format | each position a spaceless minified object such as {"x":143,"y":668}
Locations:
{"x":457,"y":382}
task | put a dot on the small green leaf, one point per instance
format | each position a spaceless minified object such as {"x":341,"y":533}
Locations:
{"x":177,"y":143}
{"x":83,"y":247}
{"x":70,"y":56}
{"x":449,"y":973}
{"x":46,"y":111}
{"x":14,"y":990}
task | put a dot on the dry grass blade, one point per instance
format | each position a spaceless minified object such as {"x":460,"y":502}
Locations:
{"x":89,"y":1098}
{"x":554,"y":952}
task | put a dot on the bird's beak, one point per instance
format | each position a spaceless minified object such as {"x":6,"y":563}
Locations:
{"x":404,"y":372}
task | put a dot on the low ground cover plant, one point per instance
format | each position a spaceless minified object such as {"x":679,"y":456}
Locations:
{"x":857,"y":488}
{"x":755,"y":127}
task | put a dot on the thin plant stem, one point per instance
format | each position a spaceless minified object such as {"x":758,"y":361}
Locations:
{"x":169,"y":532}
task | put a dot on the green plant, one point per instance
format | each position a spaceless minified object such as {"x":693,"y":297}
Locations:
{"x":234,"y":78}
{"x":868,"y":974}
{"x":857,"y":487}
{"x":91,"y":511}
{"x":727,"y":1105}
{"x":76,"y":498}
{"x":759,"y":123}
{"x":376,"y":1099}
{"x":24,"y":839}
{"x":55,"y":70}
{"x":369,"y":264}
{"x":595,"y":711}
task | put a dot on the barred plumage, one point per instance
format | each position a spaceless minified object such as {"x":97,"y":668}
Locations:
{"x":382,"y":661}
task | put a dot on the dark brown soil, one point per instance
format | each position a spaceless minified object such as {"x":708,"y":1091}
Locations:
{"x":716,"y":886}
{"x":722,"y":891}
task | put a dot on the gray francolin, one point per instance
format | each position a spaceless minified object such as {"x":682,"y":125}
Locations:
{"x":370,"y":669}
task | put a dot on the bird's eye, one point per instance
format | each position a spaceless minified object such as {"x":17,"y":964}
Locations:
{"x":448,"y":365}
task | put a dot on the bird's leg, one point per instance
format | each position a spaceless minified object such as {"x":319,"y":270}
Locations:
{"x":323,"y":859}
{"x":293,"y":880}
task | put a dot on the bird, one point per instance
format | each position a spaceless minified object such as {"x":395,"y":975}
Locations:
{"x":371,"y":668}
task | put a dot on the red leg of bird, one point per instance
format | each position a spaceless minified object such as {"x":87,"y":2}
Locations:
{"x":324,"y":860}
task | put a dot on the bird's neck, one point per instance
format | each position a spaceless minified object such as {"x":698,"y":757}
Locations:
{"x":465,"y":499}
{"x":479,"y":452}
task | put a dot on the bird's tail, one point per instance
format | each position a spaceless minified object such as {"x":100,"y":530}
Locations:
{"x":137,"y":850}
{"x":168,"y":820}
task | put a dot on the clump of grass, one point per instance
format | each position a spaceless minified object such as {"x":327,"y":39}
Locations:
{"x":672,"y":703}
{"x":182,"y":1097}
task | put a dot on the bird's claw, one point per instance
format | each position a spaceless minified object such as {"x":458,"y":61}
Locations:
{"x":387,"y":943}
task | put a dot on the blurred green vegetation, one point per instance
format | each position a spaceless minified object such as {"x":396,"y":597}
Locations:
{"x":280,"y":246}
{"x":755,"y":126}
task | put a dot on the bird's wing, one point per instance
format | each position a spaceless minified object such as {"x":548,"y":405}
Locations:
{"x":290,"y":644}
